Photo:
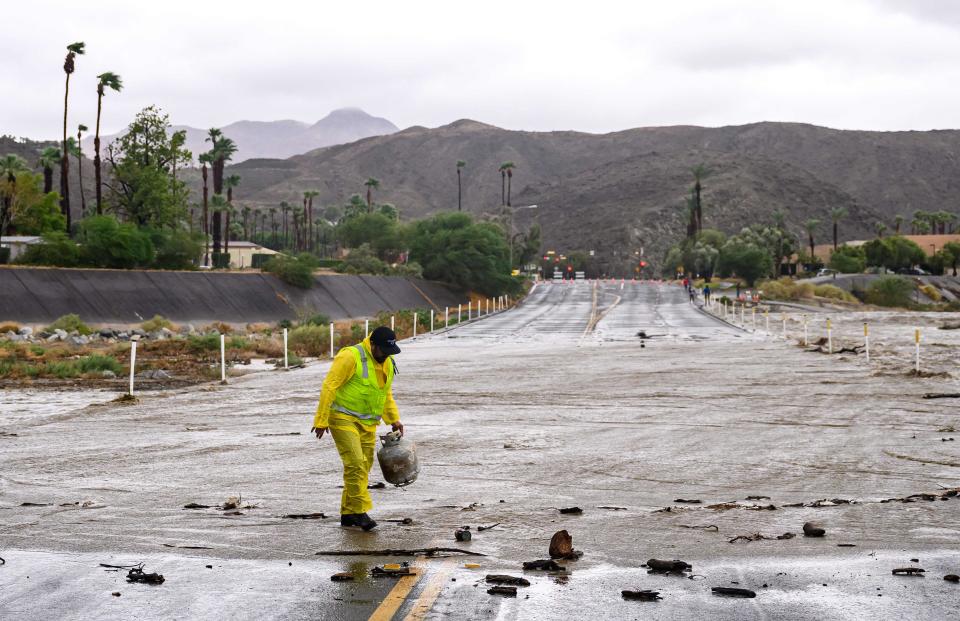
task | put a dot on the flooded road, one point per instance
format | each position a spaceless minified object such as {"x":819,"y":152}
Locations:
{"x":553,"y":404}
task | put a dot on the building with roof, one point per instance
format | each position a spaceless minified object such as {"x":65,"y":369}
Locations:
{"x":18,"y":244}
{"x":242,"y":253}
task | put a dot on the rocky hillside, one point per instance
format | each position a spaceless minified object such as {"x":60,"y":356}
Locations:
{"x":614,"y":193}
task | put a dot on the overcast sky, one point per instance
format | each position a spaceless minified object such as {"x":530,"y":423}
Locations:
{"x":594,"y":66}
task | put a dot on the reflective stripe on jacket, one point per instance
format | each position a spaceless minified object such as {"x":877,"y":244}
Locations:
{"x":362,"y":397}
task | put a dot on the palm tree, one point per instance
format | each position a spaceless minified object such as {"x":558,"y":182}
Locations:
{"x":837,"y":215}
{"x":310,"y":194}
{"x":49,"y":158}
{"x":105,"y":80}
{"x":245,"y":216}
{"x":79,"y":153}
{"x":230,"y":182}
{"x":73,"y":50}
{"x":919,"y":226}
{"x":273,"y":224}
{"x":460,"y":165}
{"x":285,"y":210}
{"x":10,"y":167}
{"x":700,"y":172}
{"x":506,"y":168}
{"x":810,"y":226}
{"x":221,"y":152}
{"x":177,"y":140}
{"x":880,"y":228}
{"x":503,"y":184}
{"x":371,"y":184}
{"x":204,"y":159}
{"x":780,"y":222}
{"x":897,"y":223}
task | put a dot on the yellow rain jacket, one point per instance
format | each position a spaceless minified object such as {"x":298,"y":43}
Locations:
{"x":356,"y":437}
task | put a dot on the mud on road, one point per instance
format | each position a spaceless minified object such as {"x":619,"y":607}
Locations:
{"x":551,"y":405}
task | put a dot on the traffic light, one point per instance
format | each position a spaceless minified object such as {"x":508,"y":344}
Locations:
{"x":643,"y":263}
{"x":569,"y":268}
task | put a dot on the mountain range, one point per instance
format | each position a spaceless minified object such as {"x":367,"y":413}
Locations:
{"x":281,"y":139}
{"x":621,"y":192}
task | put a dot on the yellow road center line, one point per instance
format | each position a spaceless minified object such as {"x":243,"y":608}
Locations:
{"x":431,"y":592}
{"x":397,"y":595}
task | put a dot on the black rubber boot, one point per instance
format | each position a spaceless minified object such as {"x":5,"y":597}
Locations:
{"x":350,"y":519}
{"x":365,"y":522}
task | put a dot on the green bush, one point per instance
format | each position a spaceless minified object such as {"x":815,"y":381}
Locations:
{"x":176,"y":250}
{"x":362,"y":260}
{"x":95,"y":363}
{"x":310,"y":340}
{"x":206,"y":342}
{"x":319,"y":319}
{"x":109,"y":243}
{"x":236,"y":342}
{"x":293,"y":271}
{"x":69,"y":323}
{"x":158,"y":322}
{"x":891,"y":291}
{"x":4,"y":256}
{"x":62,"y":369}
{"x":221,"y":260}
{"x":56,"y":249}
{"x":833,"y":293}
{"x":848,"y":260}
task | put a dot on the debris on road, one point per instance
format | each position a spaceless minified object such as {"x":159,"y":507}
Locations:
{"x":571,"y":511}
{"x":480,"y":529}
{"x":612,"y":508}
{"x":377,"y":485}
{"x":506,"y":591}
{"x":344,"y":576}
{"x":170,"y":545}
{"x":35,"y":504}
{"x":952,"y":578}
{"x":463,"y":534}
{"x":231,"y":503}
{"x":733,"y":592}
{"x":761,"y":537}
{"x":195,"y":505}
{"x":561,"y":546}
{"x":646,"y":595}
{"x":507,"y":580}
{"x":116,"y":594}
{"x":659,"y":566}
{"x":712,"y":527}
{"x":306,"y":516}
{"x":758,"y":498}
{"x":398,"y":552}
{"x":909,"y":571}
{"x":686,"y":501}
{"x":400,"y":521}
{"x":391,"y":570}
{"x":136,"y":574}
{"x":812,"y":529}
{"x":942,"y":395}
{"x":543,"y":565}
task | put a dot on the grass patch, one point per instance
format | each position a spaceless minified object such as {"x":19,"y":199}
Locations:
{"x":158,"y":322}
{"x":834,"y":293}
{"x":69,"y":323}
{"x":206,"y":342}
{"x":310,"y":340}
{"x":97,"y":363}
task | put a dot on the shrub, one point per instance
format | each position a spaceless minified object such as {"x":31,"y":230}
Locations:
{"x":176,"y":250}
{"x":158,"y":322}
{"x":207,"y":342}
{"x":62,"y":369}
{"x":318,"y":319}
{"x":109,"y":243}
{"x":362,"y":260}
{"x":891,"y":291}
{"x":848,"y":260}
{"x":928,"y":290}
{"x":219,"y":327}
{"x":310,"y":340}
{"x":408,"y":270}
{"x":833,"y":293}
{"x":9,"y":326}
{"x":237,"y":342}
{"x":293,"y":271}
{"x":69,"y":323}
{"x":55,"y":249}
{"x":95,"y":363}
{"x":4,"y":256}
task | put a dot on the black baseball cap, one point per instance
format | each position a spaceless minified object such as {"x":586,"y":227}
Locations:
{"x":384,"y":338}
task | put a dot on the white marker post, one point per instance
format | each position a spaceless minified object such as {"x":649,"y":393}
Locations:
{"x":415,"y":325}
{"x":133,"y":363}
{"x":766,"y":318}
{"x":366,"y":328}
{"x":829,"y":337}
{"x":783,"y":318}
{"x":469,"y":310}
{"x":806,"y":340}
{"x":446,"y":317}
{"x":331,"y":339}
{"x":459,"y":312}
{"x":223,"y":359}
{"x":286,"y":359}
{"x":488,"y":306}
{"x":393,"y":322}
{"x":866,"y":340}
{"x":753,"y":316}
{"x":431,"y":320}
{"x":741,"y":314}
{"x":916,"y":340}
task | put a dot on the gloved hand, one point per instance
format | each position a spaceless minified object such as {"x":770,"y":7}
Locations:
{"x":319,"y":431}
{"x":398,"y":426}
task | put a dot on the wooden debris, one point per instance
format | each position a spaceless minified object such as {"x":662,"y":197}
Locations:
{"x":733,"y":592}
{"x":668,"y":567}
{"x":543,"y":565}
{"x":612,"y":508}
{"x":812,"y":529}
{"x":138,"y":575}
{"x":688,"y":501}
{"x":506,"y":591}
{"x":712,"y":527}
{"x":909,"y":571}
{"x":170,"y":545}
{"x":306,"y":516}
{"x":194,"y":505}
{"x":758,"y":498}
{"x":952,"y":578}
{"x":398,"y":552}
{"x":571,"y":511}
{"x":344,"y":576}
{"x":942,"y":395}
{"x":507,"y":580}
{"x":480,"y":529}
{"x":645,"y":595}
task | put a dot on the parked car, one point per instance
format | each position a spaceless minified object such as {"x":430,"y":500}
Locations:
{"x":825,"y":271}
{"x":912,"y":271}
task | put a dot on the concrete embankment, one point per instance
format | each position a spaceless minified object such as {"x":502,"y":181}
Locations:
{"x":36,"y":295}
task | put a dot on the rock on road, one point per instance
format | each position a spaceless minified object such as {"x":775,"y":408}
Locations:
{"x":552,"y":404}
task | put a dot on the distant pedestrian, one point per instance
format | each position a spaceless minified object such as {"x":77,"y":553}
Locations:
{"x":706,"y":293}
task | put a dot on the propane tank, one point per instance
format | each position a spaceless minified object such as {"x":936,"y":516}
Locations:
{"x":398,"y":459}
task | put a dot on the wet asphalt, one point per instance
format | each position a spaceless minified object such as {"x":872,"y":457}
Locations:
{"x":552,"y":404}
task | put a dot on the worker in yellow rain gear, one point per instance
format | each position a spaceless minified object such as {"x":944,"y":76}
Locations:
{"x":355,"y":397}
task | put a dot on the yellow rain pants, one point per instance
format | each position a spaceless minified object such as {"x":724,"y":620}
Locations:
{"x":355,"y":443}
